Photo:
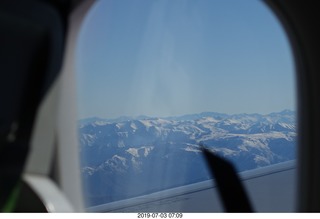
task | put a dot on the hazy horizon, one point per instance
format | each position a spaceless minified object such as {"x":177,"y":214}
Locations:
{"x":167,"y":58}
{"x":188,"y":114}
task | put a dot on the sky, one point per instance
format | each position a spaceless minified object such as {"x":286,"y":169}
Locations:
{"x":176,"y":57}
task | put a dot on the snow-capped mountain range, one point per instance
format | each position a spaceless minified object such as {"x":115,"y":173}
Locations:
{"x":126,"y":157}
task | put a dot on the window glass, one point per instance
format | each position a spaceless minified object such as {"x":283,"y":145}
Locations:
{"x":156,"y":78}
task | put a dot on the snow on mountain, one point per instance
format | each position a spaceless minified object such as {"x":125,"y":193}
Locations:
{"x":158,"y":153}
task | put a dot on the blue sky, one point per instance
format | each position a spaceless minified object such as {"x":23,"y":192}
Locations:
{"x":174,"y":57}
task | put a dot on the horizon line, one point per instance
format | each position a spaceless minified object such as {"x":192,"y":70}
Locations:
{"x":182,"y":115}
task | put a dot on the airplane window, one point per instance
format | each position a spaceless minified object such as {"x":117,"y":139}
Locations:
{"x":158,"y":78}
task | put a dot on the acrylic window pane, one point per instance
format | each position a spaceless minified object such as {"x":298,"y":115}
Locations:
{"x":157,"y":78}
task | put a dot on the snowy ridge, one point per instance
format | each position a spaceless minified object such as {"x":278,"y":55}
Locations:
{"x":143,"y":155}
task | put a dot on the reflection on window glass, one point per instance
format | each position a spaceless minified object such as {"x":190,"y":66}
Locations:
{"x":157,"y":78}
